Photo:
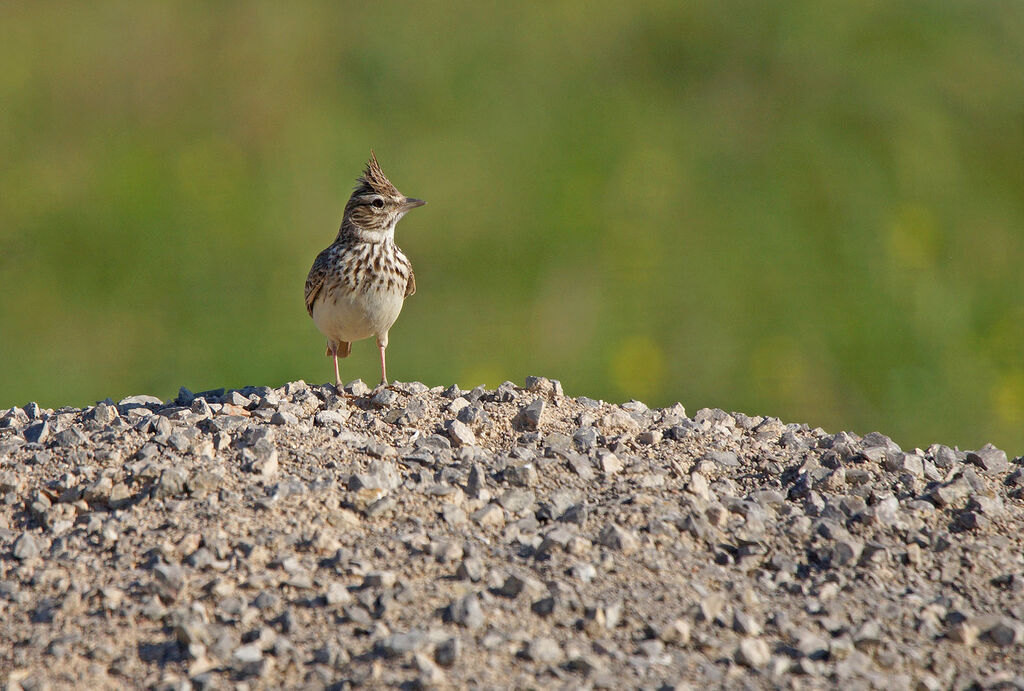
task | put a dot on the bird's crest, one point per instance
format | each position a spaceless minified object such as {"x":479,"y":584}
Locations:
{"x":373,"y":179}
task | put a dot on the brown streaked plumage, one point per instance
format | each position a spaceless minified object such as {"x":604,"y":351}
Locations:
{"x":356,"y":287}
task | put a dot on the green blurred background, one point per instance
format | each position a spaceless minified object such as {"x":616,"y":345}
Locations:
{"x":809,"y":210}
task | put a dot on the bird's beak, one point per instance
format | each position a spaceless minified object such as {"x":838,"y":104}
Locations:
{"x":411,"y":203}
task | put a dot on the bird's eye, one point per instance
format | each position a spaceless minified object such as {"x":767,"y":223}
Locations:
{"x":378,"y":203}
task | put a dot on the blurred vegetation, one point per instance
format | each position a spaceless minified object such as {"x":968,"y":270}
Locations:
{"x":809,"y":210}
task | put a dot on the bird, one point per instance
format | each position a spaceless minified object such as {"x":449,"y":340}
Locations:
{"x":357,"y":285}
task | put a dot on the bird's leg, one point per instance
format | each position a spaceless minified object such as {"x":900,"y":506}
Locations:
{"x":332,"y":350}
{"x":382,"y":344}
{"x":383,"y":367}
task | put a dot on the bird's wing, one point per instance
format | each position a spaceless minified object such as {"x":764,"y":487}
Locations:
{"x":410,"y":286}
{"x":315,"y":279}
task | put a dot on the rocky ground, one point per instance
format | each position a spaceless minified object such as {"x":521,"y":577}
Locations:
{"x":292,"y":537}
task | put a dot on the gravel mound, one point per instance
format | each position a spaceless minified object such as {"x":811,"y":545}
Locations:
{"x":292,"y":537}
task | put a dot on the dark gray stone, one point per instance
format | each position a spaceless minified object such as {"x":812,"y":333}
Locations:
{"x":448,"y":652}
{"x":990,"y":459}
{"x":619,"y":539}
{"x":529,"y":416}
{"x":37,"y":433}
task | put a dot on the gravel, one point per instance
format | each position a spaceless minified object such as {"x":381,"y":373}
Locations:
{"x":414,"y":536}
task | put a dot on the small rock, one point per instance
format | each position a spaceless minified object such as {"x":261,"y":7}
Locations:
{"x":247,"y":654}
{"x":490,"y":515}
{"x":745,"y":624}
{"x":447,"y":551}
{"x":453,"y":515}
{"x":543,"y":385}
{"x":971,"y":520}
{"x":357,"y":388}
{"x":650,"y":437}
{"x":610,"y":464}
{"x":456,"y":404}
{"x":753,"y":653}
{"x":103,"y":414}
{"x":26,"y":547}
{"x":460,"y":434}
{"x":529,"y":416}
{"x":711,"y":606}
{"x":811,"y":645}
{"x":384,"y":398}
{"x":399,"y":644}
{"x":963,"y":632}
{"x":379,"y":579}
{"x":584,"y":572}
{"x":988,"y":505}
{"x":204,"y":481}
{"x":516,"y":585}
{"x":471,"y":569}
{"x":698,"y":486}
{"x":331,"y":418}
{"x":555,"y":540}
{"x":990,"y":459}
{"x":170,"y":580}
{"x":577,"y":513}
{"x":580,"y":464}
{"x":619,"y":539}
{"x":585,"y":438}
{"x":517,"y":501}
{"x":544,"y":607}
{"x":266,"y":464}
{"x":172,"y":483}
{"x":470,"y":414}
{"x":904,"y":463}
{"x":266,"y":600}
{"x":337,"y":594}
{"x":847,"y":551}
{"x":524,"y":475}
{"x":1005,"y":633}
{"x":431,"y":675}
{"x":619,"y":421}
{"x":951,"y":494}
{"x":179,"y":441}
{"x":467,"y":611}
{"x":726,"y":459}
{"x":677,"y":631}
{"x":37,"y":433}
{"x":140,"y":400}
{"x":283,"y":418}
{"x":544,"y":650}
{"x":99,"y":491}
{"x":448,"y":652}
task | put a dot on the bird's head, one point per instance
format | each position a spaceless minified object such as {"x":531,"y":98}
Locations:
{"x":376,"y":205}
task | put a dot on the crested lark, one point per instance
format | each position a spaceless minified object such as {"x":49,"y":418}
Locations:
{"x":357,"y":285}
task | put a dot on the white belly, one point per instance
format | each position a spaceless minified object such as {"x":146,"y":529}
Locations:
{"x":344,"y":316}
